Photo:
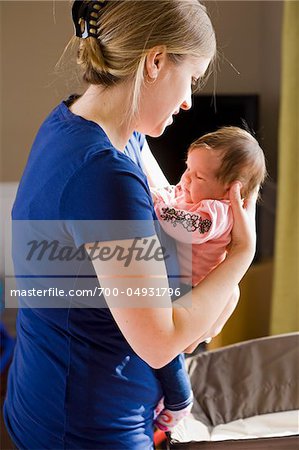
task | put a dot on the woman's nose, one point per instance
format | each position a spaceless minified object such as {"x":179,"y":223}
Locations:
{"x":187,"y":103}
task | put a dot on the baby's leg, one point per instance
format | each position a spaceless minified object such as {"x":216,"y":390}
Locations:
{"x":167,"y":419}
{"x":177,"y":392}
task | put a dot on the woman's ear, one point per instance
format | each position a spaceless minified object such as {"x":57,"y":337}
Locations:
{"x":154,"y":62}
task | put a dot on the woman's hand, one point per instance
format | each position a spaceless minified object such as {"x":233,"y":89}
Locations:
{"x":226,"y":313}
{"x":220,"y":322}
{"x":244,"y":229}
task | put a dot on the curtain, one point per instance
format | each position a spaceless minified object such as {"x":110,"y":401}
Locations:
{"x":285,"y":304}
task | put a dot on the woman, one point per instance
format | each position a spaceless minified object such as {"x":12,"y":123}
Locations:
{"x":85,"y":377}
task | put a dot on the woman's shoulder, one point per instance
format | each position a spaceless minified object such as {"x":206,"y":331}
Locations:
{"x":84,"y":143}
{"x":107,"y":184}
{"x":72,"y":159}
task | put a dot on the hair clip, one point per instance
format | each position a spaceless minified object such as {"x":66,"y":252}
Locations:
{"x":85,"y":16}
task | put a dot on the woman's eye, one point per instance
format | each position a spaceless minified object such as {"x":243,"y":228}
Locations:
{"x":194,"y":81}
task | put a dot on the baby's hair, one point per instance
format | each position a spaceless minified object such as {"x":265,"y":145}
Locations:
{"x":241,"y":157}
{"x":127,"y":30}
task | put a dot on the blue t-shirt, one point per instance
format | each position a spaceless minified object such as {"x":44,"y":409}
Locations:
{"x":75,"y":383}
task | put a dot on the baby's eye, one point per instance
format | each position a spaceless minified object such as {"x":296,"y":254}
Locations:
{"x":195,"y":81}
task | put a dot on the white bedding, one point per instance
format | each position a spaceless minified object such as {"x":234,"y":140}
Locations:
{"x":266,"y":425}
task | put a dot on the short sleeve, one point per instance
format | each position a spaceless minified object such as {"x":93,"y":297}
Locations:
{"x":210,"y":220}
{"x":107,"y":199}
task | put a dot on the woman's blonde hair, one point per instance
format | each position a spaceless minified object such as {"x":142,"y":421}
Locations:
{"x":241,"y":157}
{"x":128,"y":29}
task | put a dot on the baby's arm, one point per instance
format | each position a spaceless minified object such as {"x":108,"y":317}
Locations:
{"x":210,"y":220}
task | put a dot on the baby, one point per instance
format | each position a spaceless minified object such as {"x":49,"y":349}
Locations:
{"x":197,"y":211}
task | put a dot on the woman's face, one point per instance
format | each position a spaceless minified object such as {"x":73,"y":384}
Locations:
{"x":199,"y":181}
{"x":169,"y":92}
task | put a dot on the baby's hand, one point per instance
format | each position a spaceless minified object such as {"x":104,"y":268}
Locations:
{"x":154,"y":194}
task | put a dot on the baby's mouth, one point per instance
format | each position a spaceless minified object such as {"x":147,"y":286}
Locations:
{"x":187,"y":195}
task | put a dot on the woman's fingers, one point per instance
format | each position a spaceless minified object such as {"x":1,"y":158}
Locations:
{"x":243,"y":232}
{"x":250,"y":201}
{"x":239,"y":205}
{"x":235,"y":192}
{"x":235,"y":198}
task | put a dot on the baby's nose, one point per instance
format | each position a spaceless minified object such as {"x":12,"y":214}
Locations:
{"x":186,"y":176}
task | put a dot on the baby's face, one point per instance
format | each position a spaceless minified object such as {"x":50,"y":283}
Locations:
{"x":199,"y":180}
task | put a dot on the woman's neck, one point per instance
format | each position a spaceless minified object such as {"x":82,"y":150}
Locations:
{"x":107,"y":108}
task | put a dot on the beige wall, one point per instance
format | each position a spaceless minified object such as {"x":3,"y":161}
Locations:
{"x":249,"y":34}
{"x":33,"y":35}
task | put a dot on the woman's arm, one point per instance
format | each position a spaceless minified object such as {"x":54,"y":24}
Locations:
{"x":153,"y":171}
{"x":156,"y":331}
{"x":220,"y":322}
{"x":244,"y":225}
{"x":226,"y":313}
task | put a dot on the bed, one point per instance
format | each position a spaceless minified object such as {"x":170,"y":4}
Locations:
{"x":246,"y":396}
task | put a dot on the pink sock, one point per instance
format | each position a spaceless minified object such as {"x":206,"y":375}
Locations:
{"x":168,"y":419}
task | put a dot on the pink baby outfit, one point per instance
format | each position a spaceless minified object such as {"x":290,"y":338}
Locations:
{"x":206,"y":225}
